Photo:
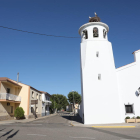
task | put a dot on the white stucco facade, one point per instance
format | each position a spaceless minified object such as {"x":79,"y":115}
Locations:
{"x":128,"y":77}
{"x":45,"y":104}
{"x":105,"y":89}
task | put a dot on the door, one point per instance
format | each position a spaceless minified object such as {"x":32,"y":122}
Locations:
{"x":11,"y":109}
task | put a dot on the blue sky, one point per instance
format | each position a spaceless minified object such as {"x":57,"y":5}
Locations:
{"x":53,"y":64}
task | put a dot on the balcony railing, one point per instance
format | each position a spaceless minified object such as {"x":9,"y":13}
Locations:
{"x":47,"y":102}
{"x":8,"y":96}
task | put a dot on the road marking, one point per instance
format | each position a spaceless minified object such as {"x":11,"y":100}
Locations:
{"x":128,"y":139}
{"x":113,"y":126}
{"x":81,"y":137}
{"x":31,"y":124}
{"x":2,"y":132}
{"x":36,"y":135}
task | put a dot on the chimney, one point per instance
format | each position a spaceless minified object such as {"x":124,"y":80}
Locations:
{"x":17,"y":77}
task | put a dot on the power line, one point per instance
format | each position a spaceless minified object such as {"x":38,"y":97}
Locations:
{"x":36,"y":33}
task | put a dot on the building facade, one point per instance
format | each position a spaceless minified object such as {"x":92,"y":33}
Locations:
{"x":45,"y":103}
{"x":13,"y":94}
{"x":128,"y":78}
{"x":9,"y":98}
{"x":108,"y":94}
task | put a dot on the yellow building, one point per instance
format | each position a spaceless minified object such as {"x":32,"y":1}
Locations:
{"x":13,"y":94}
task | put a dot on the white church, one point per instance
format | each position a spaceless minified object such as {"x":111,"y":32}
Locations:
{"x":108,"y":94}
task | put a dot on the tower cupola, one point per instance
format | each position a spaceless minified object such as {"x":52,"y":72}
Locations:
{"x":94,"y":30}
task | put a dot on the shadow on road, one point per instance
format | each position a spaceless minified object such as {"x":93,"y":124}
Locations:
{"x":74,"y":118}
{"x":7,"y":133}
{"x":11,"y":136}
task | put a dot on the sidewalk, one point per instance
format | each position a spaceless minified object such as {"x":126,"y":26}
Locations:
{"x":77,"y":121}
{"x":25,"y":120}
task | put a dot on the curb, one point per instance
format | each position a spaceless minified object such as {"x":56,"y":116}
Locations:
{"x":28,"y":120}
{"x":107,"y":126}
{"x":113,"y":126}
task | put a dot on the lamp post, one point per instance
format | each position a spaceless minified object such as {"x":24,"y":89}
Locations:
{"x":73,"y":102}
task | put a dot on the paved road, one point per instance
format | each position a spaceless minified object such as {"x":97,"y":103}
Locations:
{"x":58,"y":128}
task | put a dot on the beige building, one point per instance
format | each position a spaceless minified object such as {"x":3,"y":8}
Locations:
{"x":13,"y":94}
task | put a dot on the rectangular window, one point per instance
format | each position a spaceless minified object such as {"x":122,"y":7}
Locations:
{"x":32,"y":94}
{"x":46,"y":96}
{"x":97,"y":54}
{"x":129,"y":109}
{"x":40,"y":97}
{"x":99,"y":76}
{"x":8,"y":90}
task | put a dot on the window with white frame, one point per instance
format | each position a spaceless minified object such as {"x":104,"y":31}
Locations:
{"x":40,"y":97}
{"x":129,"y":109}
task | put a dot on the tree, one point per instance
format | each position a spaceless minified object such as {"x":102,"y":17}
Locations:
{"x":59,"y":101}
{"x":76,"y":95}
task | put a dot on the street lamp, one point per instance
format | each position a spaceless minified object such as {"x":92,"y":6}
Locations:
{"x":73,"y":102}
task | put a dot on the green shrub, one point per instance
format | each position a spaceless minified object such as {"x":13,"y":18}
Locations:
{"x":19,"y":113}
{"x":133,"y":117}
{"x":127,"y":117}
{"x":138,"y":117}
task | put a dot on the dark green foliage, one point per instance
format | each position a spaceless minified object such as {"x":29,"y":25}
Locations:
{"x":77,"y":97}
{"x":127,"y":117}
{"x":59,"y":101}
{"x":138,"y":117}
{"x":19,"y":113}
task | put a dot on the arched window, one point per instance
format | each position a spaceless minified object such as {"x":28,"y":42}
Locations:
{"x":95,"y":32}
{"x":85,"y":34}
{"x":104,"y":33}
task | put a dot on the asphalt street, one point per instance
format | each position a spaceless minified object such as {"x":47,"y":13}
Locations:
{"x":58,"y":128}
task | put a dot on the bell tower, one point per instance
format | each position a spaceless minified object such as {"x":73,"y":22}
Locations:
{"x":100,"y":97}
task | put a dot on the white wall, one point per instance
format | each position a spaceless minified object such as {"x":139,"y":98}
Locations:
{"x":44,"y":111}
{"x":128,"y":82}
